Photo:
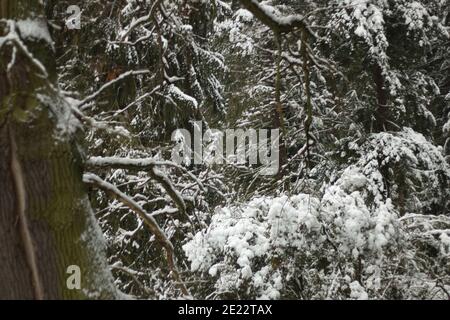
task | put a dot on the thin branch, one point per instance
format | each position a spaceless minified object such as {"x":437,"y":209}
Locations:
{"x":150,"y":222}
{"x":99,"y":125}
{"x":26,"y":235}
{"x":109,"y":84}
{"x":147,"y":165}
{"x":142,"y":20}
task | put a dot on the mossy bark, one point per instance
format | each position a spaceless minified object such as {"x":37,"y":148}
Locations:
{"x":46,"y":222}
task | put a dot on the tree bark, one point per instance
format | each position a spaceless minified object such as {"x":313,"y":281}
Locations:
{"x":46,"y":222}
{"x":381,"y":114}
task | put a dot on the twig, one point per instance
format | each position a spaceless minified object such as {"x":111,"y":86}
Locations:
{"x":109,"y":84}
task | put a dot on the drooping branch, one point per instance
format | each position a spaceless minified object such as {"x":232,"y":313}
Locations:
{"x":149,"y":221}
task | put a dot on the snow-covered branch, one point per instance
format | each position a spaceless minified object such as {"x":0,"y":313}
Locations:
{"x":277,"y":23}
{"x":142,"y":20}
{"x":150,"y":222}
{"x":14,"y":38}
{"x":147,"y":165}
{"x":109,"y":84}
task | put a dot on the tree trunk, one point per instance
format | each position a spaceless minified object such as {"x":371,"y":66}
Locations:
{"x":46,"y":222}
{"x":381,"y":114}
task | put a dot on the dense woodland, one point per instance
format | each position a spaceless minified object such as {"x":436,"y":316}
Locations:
{"x":358,"y":89}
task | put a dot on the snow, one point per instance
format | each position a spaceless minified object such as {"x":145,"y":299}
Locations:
{"x":415,"y":14}
{"x":12,"y":37}
{"x":99,"y":283}
{"x":243,"y":15}
{"x":109,"y":161}
{"x":177,"y":94}
{"x":445,"y":239}
{"x":358,"y":221}
{"x":34,"y":29}
{"x":242,"y":242}
{"x":357,"y":291}
{"x":268,"y":227}
{"x":446,"y":127}
{"x":275,"y":14}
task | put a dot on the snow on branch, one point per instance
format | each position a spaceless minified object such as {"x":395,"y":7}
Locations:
{"x":142,"y":20}
{"x":95,"y":124}
{"x":148,"y":165}
{"x":150,"y":222}
{"x":278,"y":24}
{"x":14,"y":38}
{"x":109,"y":84}
{"x":137,"y":164}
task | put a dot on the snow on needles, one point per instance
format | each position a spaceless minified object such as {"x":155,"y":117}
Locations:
{"x":261,"y":248}
{"x":244,"y":245}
